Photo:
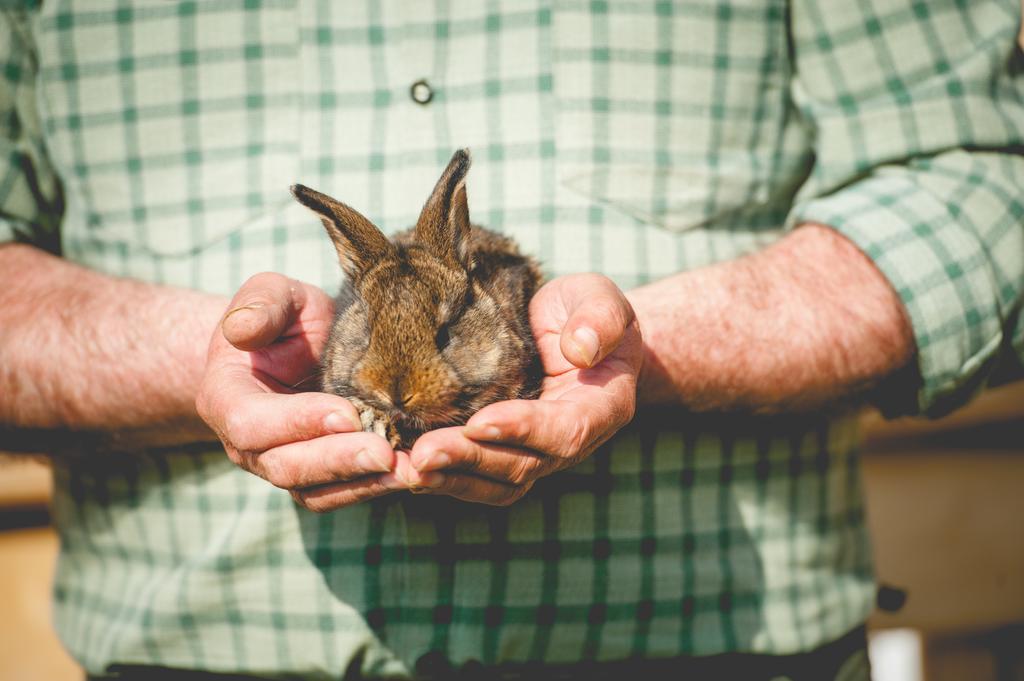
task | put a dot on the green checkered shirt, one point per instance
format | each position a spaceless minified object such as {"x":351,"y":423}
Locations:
{"x":633,"y":138}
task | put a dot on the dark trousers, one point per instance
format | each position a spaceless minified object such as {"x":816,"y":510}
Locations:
{"x":842,"y":660}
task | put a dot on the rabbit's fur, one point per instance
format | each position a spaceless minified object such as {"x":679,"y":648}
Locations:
{"x":433,"y":325}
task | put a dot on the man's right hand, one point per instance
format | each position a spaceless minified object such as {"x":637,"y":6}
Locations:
{"x":262,"y":359}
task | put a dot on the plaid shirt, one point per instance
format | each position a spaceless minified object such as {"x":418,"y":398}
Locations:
{"x":636,"y":139}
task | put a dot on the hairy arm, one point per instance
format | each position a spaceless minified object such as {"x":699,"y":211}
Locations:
{"x":84,"y":353}
{"x":801,"y":324}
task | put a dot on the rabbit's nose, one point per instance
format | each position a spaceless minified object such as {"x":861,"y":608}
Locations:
{"x":401,"y":396}
{"x":402,"y":400}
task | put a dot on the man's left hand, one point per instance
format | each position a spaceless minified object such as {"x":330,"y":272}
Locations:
{"x":591,"y":350}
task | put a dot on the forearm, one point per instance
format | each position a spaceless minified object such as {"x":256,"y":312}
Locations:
{"x":801,"y":324}
{"x":82,"y":351}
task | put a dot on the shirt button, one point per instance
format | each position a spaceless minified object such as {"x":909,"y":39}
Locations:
{"x":421,"y":92}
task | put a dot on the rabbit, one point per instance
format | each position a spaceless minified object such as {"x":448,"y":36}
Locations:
{"x":433,"y":325}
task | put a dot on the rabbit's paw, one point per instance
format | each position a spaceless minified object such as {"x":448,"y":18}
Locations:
{"x":392,"y":435}
{"x":375,"y":421}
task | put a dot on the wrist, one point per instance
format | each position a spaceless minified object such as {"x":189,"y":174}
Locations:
{"x":693,"y":347}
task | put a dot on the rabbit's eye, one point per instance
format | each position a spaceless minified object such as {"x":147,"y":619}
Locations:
{"x":443,"y":337}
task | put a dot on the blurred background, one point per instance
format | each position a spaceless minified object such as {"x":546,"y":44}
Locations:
{"x":945,"y":504}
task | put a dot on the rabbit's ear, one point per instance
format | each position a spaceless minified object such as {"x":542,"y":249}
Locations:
{"x":358,"y":242}
{"x":443,"y":227}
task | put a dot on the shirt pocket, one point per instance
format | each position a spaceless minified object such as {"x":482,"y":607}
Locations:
{"x":172,"y":124}
{"x":675,"y":114}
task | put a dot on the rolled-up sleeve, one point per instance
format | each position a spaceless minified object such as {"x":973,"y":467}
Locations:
{"x":917,"y":109}
{"x":30,"y":197}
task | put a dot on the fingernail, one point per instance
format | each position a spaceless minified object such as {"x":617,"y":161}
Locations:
{"x":340,"y":422}
{"x":481,"y":431}
{"x":248,"y":306}
{"x":431,"y":480}
{"x":587,"y":344}
{"x":406,"y":481}
{"x":391,"y":481}
{"x":435,"y":461}
{"x":368,"y":460}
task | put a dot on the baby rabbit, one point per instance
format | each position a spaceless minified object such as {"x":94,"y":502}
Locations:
{"x":433,"y":325}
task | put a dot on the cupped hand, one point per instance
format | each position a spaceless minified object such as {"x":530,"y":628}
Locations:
{"x":591,"y":350}
{"x":262,"y":361}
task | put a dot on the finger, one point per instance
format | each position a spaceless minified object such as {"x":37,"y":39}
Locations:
{"x":477,"y":490}
{"x":261,"y":310}
{"x":448,"y":451}
{"x":249,"y":418}
{"x":325,"y":498}
{"x":405,"y":477}
{"x":598,"y":317}
{"x":324,"y":460}
{"x":563,"y":428}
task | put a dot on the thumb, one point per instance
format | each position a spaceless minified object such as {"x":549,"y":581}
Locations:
{"x":599,"y":315}
{"x":261,"y":311}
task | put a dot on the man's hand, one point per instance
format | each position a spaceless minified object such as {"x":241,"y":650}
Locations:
{"x":590,"y":346}
{"x":262,"y":356}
